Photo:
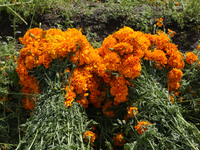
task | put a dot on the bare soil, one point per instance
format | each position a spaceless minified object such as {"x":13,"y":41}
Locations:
{"x":186,"y":38}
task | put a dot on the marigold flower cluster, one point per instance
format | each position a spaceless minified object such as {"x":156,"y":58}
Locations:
{"x":114,"y":64}
{"x":160,"y":22}
{"x":121,"y":53}
{"x":119,"y":140}
{"x":91,"y":135}
{"x":142,"y":126}
{"x":41,"y":47}
{"x":171,"y":33}
{"x":190,"y":58}
{"x":174,"y":77}
{"x":130,"y":111}
{"x":198,"y":47}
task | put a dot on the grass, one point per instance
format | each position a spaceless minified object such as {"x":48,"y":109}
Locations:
{"x":140,"y":15}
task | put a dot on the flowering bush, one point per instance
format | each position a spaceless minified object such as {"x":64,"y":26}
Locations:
{"x":133,"y":76}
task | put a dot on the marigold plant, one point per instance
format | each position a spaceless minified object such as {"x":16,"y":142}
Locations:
{"x":102,"y":81}
{"x":89,"y":135}
{"x":142,"y":126}
{"x":190,"y":57}
{"x":119,"y":141}
{"x":160,"y":22}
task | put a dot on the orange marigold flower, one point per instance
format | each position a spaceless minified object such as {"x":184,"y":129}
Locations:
{"x":84,"y":102}
{"x":198,"y":27}
{"x":30,"y":62}
{"x":142,"y":126}
{"x":89,"y":135}
{"x":3,"y":99}
{"x":175,"y":60}
{"x":162,"y":41}
{"x":175,"y":75}
{"x":31,"y":36}
{"x":28,"y":104}
{"x":177,"y":93}
{"x":198,"y":47}
{"x":181,"y":99}
{"x":79,"y":81}
{"x":160,"y":22}
{"x":199,"y":64}
{"x":112,"y":61}
{"x":119,"y":89}
{"x":30,"y":85}
{"x":109,"y":42}
{"x":142,"y":43}
{"x":119,"y":139}
{"x":70,"y":96}
{"x":173,"y":86}
{"x":171,"y":97}
{"x":190,"y":57}
{"x":148,"y":55}
{"x":122,"y":33}
{"x":130,"y":66}
{"x":123,"y":48}
{"x":159,"y":32}
{"x":159,"y":57}
{"x":131,"y":110}
{"x":45,"y":60}
{"x":176,"y":4}
{"x":170,"y":33}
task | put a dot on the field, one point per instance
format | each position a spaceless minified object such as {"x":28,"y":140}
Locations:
{"x":107,"y":74}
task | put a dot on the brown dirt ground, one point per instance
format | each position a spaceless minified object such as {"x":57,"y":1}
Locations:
{"x":187,"y":39}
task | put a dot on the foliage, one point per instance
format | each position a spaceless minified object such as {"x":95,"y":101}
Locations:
{"x":12,"y":112}
{"x":52,"y":126}
{"x":170,"y":130}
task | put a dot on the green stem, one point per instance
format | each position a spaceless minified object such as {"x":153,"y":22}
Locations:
{"x":151,"y":144}
{"x":14,"y":25}
{"x":18,"y":121}
{"x":197,"y":99}
{"x":33,"y":140}
{"x":17,"y":15}
{"x":81,"y":139}
{"x":8,"y":144}
{"x":34,"y":7}
{"x":183,"y":134}
{"x":16,"y":3}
